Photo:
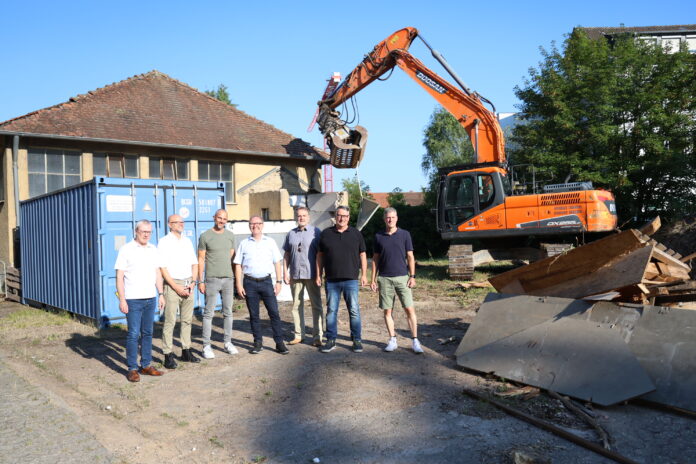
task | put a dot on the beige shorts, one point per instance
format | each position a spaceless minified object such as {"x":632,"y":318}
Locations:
{"x":390,"y":288}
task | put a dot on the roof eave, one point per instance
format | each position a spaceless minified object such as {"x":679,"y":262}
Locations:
{"x":166,"y":145}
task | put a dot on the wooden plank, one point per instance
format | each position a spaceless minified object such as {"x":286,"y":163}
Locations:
{"x":13,"y":271}
{"x":623,"y":272}
{"x":576,"y":263}
{"x":663,"y":257}
{"x":651,"y":272}
{"x":13,"y":297}
{"x":14,"y":285}
{"x":651,"y":227}
{"x":687,"y":258}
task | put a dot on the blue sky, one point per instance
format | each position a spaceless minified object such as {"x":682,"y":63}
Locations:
{"x":275,"y":57}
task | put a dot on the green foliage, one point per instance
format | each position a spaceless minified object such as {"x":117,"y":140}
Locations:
{"x":221,"y":94}
{"x":354,"y":198}
{"x":396,"y":197}
{"x":446,"y":144}
{"x":619,"y":114}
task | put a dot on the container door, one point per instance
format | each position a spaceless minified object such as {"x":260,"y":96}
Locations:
{"x":197,"y":207}
{"x":120,"y":208}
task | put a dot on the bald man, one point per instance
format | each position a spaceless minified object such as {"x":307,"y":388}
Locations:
{"x":179,"y":266}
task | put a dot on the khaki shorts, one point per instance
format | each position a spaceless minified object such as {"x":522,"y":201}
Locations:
{"x":390,"y":288}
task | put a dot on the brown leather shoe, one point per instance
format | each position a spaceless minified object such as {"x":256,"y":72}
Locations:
{"x":295,"y":341}
{"x":317,"y":343}
{"x":149,"y":370}
{"x":133,"y":376}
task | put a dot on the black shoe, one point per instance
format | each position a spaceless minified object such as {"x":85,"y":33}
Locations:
{"x":281,"y":348}
{"x":188,"y":356}
{"x":357,"y":346}
{"x":258,"y":346}
{"x":169,"y":361}
{"x":328,"y":346}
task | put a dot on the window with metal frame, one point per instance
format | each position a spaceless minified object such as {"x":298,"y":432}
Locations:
{"x":51,"y":170}
{"x":218,"y":172}
{"x":115,"y":165}
{"x":168,"y":168}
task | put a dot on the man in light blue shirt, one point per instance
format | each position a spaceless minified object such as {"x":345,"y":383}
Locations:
{"x":256,"y":259}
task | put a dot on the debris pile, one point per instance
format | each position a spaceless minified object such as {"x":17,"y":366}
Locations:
{"x":604,"y":322}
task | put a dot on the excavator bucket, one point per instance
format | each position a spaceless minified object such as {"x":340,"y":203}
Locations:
{"x":347,"y":146}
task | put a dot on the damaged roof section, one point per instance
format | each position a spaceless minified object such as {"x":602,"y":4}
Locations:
{"x":155,"y":108}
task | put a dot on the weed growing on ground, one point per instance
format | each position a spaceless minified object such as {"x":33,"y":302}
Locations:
{"x":32,"y":317}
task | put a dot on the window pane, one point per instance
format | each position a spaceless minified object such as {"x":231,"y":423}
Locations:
{"x":99,"y":164}
{"x":37,"y":184}
{"x":229,"y":192}
{"x":71,"y":180}
{"x":37,"y":161}
{"x":54,"y":161}
{"x":131,"y":166}
{"x":72,"y":163}
{"x":203,"y":170}
{"x":486,"y":191}
{"x":182,"y":170}
{"x":226,"y":173}
{"x":215,"y":171}
{"x":155,"y":168}
{"x":115,"y":166}
{"x":54,"y":182}
{"x":168,"y":169}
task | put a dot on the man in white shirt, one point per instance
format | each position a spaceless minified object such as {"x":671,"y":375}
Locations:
{"x":138,"y":281}
{"x":179,"y":265}
{"x":257,"y":258}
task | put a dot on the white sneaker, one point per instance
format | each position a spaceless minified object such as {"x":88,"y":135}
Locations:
{"x":417,"y":348}
{"x":230,"y":348}
{"x":392,"y":345}
{"x":208,"y":352}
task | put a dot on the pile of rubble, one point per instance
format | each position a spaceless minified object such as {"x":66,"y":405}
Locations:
{"x":604,"y":322}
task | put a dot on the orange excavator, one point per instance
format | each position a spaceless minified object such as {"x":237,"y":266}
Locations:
{"x":475,"y":201}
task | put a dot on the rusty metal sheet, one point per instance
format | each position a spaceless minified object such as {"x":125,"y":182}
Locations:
{"x":566,"y":355}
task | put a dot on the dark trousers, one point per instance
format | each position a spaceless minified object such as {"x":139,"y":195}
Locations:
{"x":255,"y":292}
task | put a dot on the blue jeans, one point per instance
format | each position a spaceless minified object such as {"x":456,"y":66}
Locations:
{"x":349,"y":288}
{"x":141,"y":315}
{"x":255,"y":292}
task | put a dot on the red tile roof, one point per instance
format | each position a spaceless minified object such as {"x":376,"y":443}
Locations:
{"x":411,"y":198}
{"x":155,"y":108}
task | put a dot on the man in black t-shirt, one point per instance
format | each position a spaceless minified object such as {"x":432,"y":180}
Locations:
{"x":342,"y":256}
{"x":393,"y":261}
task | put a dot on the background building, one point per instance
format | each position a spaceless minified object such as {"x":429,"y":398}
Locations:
{"x":151,"y":126}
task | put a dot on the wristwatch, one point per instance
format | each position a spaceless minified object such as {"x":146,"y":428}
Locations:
{"x":413,"y":276}
{"x":279,"y":281}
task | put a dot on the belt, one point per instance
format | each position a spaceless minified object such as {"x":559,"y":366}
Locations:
{"x":257,"y":279}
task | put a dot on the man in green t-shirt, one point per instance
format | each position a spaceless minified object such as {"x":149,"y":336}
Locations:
{"x":215,"y":252}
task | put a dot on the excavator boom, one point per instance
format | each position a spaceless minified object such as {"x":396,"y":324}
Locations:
{"x":347,"y":145}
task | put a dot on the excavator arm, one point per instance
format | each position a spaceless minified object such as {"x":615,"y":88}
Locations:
{"x":348,"y":145}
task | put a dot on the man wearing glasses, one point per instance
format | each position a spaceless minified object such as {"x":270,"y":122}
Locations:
{"x":179,"y":265}
{"x":215,"y":253}
{"x":138,"y":281}
{"x":300,"y":270}
{"x":342,"y":256}
{"x":256,"y":260}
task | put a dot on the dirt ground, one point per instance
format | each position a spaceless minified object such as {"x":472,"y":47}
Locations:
{"x":340,"y":407}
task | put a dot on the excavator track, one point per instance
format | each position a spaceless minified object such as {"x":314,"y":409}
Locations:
{"x":461,"y":262}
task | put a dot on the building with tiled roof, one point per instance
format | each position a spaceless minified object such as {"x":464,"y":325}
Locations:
{"x":667,"y":36}
{"x":152,"y":126}
{"x":410,"y":198}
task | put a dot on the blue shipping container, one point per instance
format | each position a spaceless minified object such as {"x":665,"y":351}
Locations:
{"x":69,"y":239}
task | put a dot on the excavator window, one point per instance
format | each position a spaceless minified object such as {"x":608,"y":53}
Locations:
{"x":459,"y":202}
{"x":486,"y":191}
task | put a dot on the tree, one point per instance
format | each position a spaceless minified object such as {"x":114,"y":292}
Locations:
{"x":621,"y":114}
{"x":396,"y":198}
{"x":354,"y":197}
{"x":446,"y":144}
{"x":221,"y":94}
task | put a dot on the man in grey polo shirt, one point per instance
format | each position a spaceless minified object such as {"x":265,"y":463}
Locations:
{"x":215,"y":252}
{"x":299,"y":264}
